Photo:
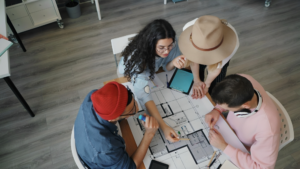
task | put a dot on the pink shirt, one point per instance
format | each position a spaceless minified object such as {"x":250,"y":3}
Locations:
{"x":260,"y":132}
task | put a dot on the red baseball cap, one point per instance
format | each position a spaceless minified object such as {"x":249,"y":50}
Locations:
{"x":110,"y":101}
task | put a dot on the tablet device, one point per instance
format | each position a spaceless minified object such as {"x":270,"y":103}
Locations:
{"x":158,"y":165}
{"x":182,"y":81}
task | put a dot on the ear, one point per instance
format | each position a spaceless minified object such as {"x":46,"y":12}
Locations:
{"x":246,"y":105}
{"x":113,"y":120}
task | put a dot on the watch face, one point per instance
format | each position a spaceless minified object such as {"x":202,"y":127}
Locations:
{"x":147,"y":89}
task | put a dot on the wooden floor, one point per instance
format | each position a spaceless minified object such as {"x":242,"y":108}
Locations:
{"x":62,"y":65}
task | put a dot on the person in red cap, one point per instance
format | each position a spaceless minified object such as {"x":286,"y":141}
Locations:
{"x":98,"y":143}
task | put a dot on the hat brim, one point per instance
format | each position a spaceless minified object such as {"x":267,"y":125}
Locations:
{"x":207,"y":57}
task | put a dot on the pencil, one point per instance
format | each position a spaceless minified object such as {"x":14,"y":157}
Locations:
{"x":153,"y":83}
{"x":217,"y":156}
{"x":184,"y":139}
{"x":212,"y":157}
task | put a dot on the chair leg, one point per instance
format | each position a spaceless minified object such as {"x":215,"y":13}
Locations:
{"x":116,"y":60}
{"x":267,"y":3}
{"x":18,"y":94}
{"x":98,"y":9}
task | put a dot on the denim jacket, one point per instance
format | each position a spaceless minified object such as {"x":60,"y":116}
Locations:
{"x":97,"y":140}
{"x":142,"y":79}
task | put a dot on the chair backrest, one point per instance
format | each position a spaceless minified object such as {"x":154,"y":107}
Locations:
{"x":74,"y":151}
{"x":119,"y":44}
{"x":286,"y":128}
{"x":190,"y":23}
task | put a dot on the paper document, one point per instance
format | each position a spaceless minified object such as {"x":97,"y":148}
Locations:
{"x":187,"y":117}
{"x":4,"y":45}
{"x":228,"y":165}
{"x":229,"y":136}
{"x":155,"y":84}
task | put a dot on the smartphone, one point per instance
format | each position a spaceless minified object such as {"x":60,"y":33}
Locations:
{"x":158,"y":165}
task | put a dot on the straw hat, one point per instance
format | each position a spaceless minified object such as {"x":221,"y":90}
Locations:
{"x":208,"y":41}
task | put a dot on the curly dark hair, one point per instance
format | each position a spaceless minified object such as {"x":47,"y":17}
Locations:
{"x":141,"y":51}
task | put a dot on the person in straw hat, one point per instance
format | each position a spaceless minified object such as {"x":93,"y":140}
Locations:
{"x":208,"y":42}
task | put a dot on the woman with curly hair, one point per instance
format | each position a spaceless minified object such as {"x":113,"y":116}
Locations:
{"x":153,"y":47}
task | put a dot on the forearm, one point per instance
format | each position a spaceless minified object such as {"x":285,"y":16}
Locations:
{"x":246,"y":160}
{"x":140,"y":152}
{"x":195,"y":71}
{"x":212,"y":76}
{"x":152,"y":109}
{"x":220,"y":108}
{"x":170,"y":66}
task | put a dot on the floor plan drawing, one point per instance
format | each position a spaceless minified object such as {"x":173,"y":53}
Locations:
{"x":186,"y":116}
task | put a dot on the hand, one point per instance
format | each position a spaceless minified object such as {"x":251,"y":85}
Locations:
{"x":1,"y":36}
{"x":212,"y":118}
{"x":151,"y":125}
{"x":205,"y":90}
{"x":179,"y":61}
{"x":198,"y":90}
{"x":217,"y":140}
{"x":170,"y":134}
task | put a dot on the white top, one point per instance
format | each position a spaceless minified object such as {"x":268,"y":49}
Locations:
{"x":236,"y":46}
{"x":4,"y":61}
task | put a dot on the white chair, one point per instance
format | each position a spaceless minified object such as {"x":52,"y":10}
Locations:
{"x":97,"y":8}
{"x":119,"y":44}
{"x":286,"y":129}
{"x":190,"y":23}
{"x":74,"y":151}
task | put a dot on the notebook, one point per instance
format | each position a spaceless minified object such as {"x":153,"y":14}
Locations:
{"x":228,"y":165}
{"x":4,"y":45}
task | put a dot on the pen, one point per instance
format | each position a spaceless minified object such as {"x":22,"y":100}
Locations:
{"x":143,"y":118}
{"x":183,"y":131}
{"x":211,"y":163}
{"x":214,"y":160}
{"x":186,"y":129}
{"x":167,"y":80}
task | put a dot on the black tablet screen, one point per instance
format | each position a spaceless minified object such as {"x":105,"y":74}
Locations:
{"x":158,"y":165}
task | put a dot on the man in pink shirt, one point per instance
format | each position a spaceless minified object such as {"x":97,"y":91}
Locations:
{"x":253,"y":117}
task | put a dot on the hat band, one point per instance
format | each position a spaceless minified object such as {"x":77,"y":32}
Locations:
{"x":210,"y":49}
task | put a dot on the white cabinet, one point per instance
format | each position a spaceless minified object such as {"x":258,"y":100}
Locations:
{"x":17,"y":12}
{"x":22,"y":24}
{"x":33,"y":13}
{"x":39,"y":5}
{"x":42,"y":16}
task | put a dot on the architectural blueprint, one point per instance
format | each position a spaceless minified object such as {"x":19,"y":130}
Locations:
{"x":187,"y":117}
